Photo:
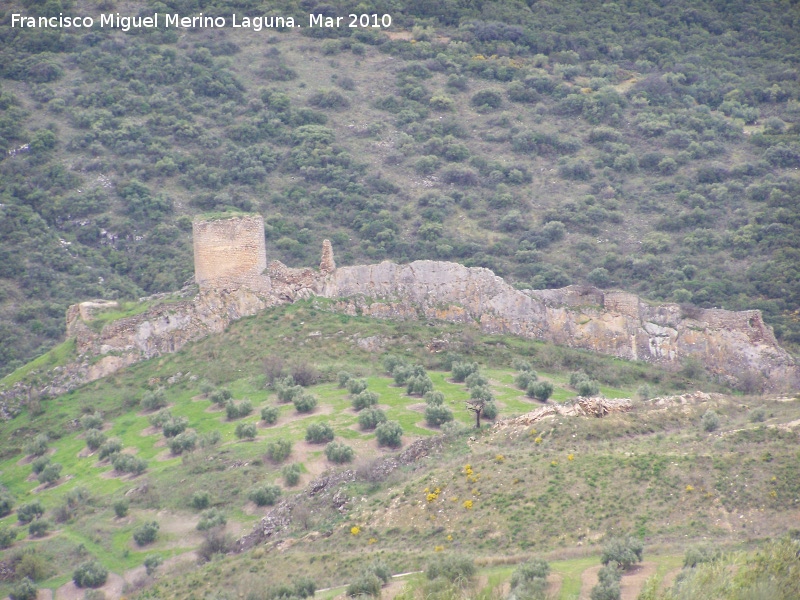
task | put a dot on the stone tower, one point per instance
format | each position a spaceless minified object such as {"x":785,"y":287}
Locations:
{"x":230,"y":252}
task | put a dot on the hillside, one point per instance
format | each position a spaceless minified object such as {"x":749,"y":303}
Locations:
{"x":558,"y":486}
{"x":646,"y":146}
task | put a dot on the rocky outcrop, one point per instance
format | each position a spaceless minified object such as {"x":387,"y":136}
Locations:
{"x":728,"y":344}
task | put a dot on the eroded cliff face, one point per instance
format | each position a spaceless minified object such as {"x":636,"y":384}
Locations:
{"x":727,"y":343}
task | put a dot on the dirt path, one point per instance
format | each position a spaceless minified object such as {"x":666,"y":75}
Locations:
{"x":588,"y":581}
{"x":554,"y":583}
{"x":633,"y":580}
{"x":669,"y":578}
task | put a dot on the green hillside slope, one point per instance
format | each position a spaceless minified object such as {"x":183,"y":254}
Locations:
{"x":649,"y":146}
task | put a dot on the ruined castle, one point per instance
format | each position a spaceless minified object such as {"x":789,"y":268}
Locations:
{"x":235,"y":280}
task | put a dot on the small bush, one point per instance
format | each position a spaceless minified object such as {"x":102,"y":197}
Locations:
{"x":490,"y":410}
{"x":110,"y":447}
{"x":24,"y":589}
{"x":39,"y":445}
{"x":38,"y":464}
{"x":279,"y":450}
{"x":7,"y":537}
{"x":608,"y":586}
{"x":758,"y":415}
{"x":153,"y":400}
{"x":356,"y":386}
{"x":33,"y":565}
{"x":451,"y":568}
{"x":437,"y":415}
{"x":39,"y":528}
{"x":462,"y":370}
{"x":371,"y":418}
{"x":319,"y":433}
{"x":152,"y":562}
{"x":30,"y":511}
{"x":121,"y":507}
{"x":487,"y":100}
{"x":304,"y":587}
{"x":390,"y":361}
{"x":304,"y":403}
{"x":216,"y":542}
{"x":50,"y":474}
{"x":269,"y":415}
{"x":210,"y":519}
{"x":210,"y":439}
{"x":90,"y":574}
{"x":419,"y":385}
{"x":541,"y":390}
{"x":476,"y":379}
{"x":220,"y":396}
{"x":146,"y":534}
{"x":624,"y":551}
{"x":265,"y":495}
{"x":246,"y":431}
{"x":6,"y":501}
{"x":534,"y":569}
{"x":237,"y":411}
{"x":93,"y":421}
{"x":174,"y":426}
{"x":184,"y":442}
{"x":367,"y":584}
{"x":710,"y":421}
{"x":343,"y":377}
{"x":434,"y":398}
{"x":401,"y":374}
{"x":291,"y":474}
{"x":698,"y":555}
{"x":339,"y":453}
{"x":389,"y":434}
{"x":200,"y":500}
{"x":94,"y":439}
{"x":585,"y":386}
{"x":158,"y":419}
{"x":287,"y":389}
{"x":524,"y":380}
{"x":125,"y":463}
{"x":365,"y":399}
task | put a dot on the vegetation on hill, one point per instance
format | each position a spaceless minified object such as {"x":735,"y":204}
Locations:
{"x":642,"y":145}
{"x":654,"y":476}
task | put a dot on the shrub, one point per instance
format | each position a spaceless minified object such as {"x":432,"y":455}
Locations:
{"x":38,"y":528}
{"x":710,"y":421}
{"x":434,"y":398}
{"x":533,"y":569}
{"x":246,"y":431}
{"x":389,"y":434}
{"x":279,"y":450}
{"x":6,"y":501}
{"x":291,"y":474}
{"x":39,"y":445}
{"x":121,"y":507}
{"x":490,"y":410}
{"x":356,"y":386}
{"x":585,"y":386}
{"x":343,"y":378}
{"x":110,"y":446}
{"x":486,"y":100}
{"x":371,"y":418}
{"x":319,"y":433}
{"x":419,"y":385}
{"x":365,"y":399}
{"x":758,"y":415}
{"x":220,"y":396}
{"x":7,"y":537}
{"x":481,"y":393}
{"x":174,"y":426}
{"x":200,"y":500}
{"x":265,"y":495}
{"x":93,"y":421}
{"x":304,"y":403}
{"x":23,"y":590}
{"x":154,"y":399}
{"x":390,"y":361}
{"x":125,"y":463}
{"x":287,"y":389}
{"x":94,"y":439}
{"x":210,"y":439}
{"x":451,"y":568}
{"x":401,"y":374}
{"x":269,"y":414}
{"x":183,"y":442}
{"x":50,"y":474}
{"x":367,"y":584}
{"x":462,"y":370}
{"x":541,"y":390}
{"x":211,"y":518}
{"x":158,"y":419}
{"x":30,"y":511}
{"x":237,"y":411}
{"x":524,"y":380}
{"x":146,"y":534}
{"x":38,"y":464}
{"x":475,"y":379}
{"x":33,"y":565}
{"x":624,"y":551}
{"x":304,"y":587}
{"x":437,"y":414}
{"x":215,"y":541}
{"x":152,"y":562}
{"x":90,"y":574}
{"x":339,"y":453}
{"x":698,"y":555}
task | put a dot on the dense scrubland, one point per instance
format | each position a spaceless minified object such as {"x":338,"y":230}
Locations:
{"x":641,"y":145}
